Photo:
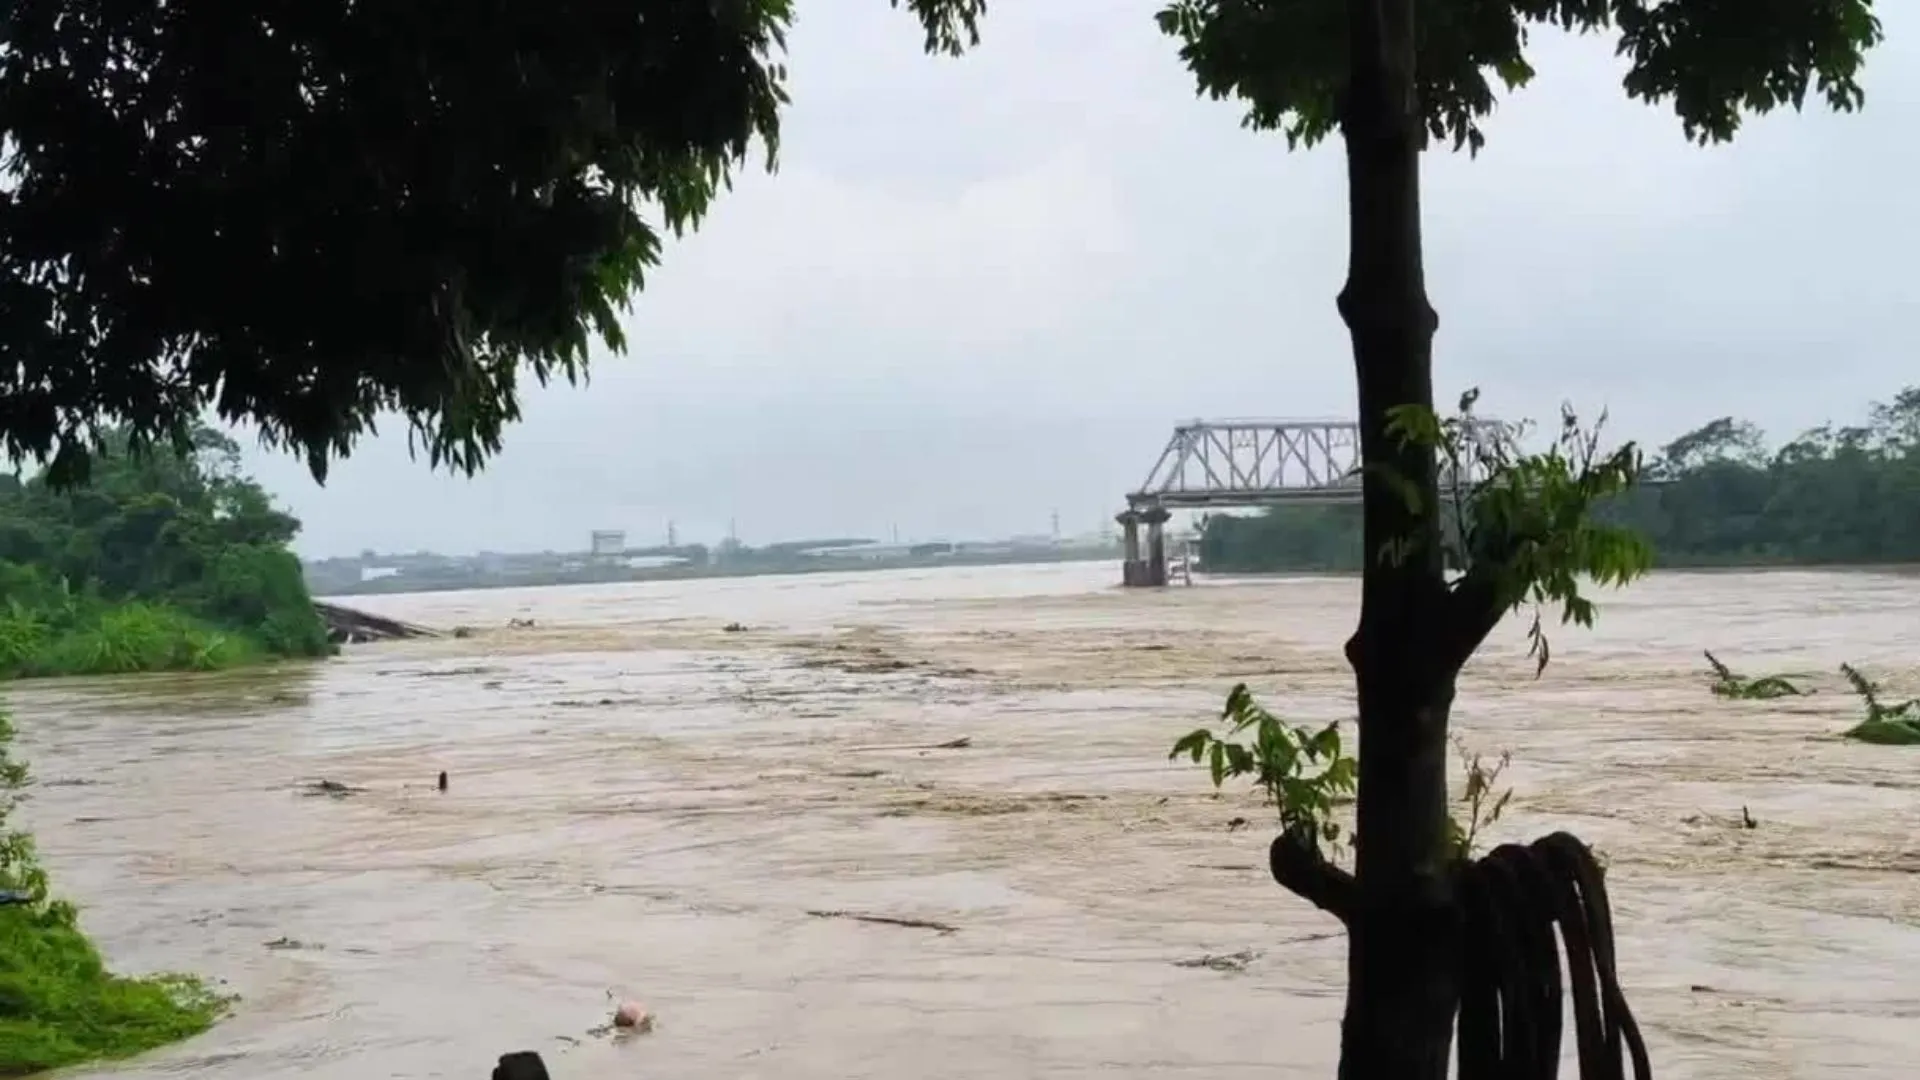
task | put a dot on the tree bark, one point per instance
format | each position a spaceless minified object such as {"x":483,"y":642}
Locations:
{"x":1403,"y":942}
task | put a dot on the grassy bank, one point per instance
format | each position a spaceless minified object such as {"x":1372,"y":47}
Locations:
{"x":115,"y":639}
{"x":59,"y":1005}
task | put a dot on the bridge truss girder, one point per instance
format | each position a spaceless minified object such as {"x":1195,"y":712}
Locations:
{"x":1250,"y":463}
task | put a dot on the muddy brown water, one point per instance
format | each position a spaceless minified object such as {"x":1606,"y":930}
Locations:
{"x":646,"y":804}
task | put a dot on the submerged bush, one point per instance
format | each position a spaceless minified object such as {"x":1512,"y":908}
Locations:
{"x":59,"y":1005}
{"x":1727,"y":684}
{"x":1886,"y":724}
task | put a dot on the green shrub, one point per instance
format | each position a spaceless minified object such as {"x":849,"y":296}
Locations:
{"x":161,"y":561}
{"x":118,"y":639}
{"x":1895,"y":723}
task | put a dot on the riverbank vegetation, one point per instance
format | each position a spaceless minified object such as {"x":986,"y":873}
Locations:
{"x":1833,"y":496}
{"x":59,"y":1005}
{"x":160,"y":562}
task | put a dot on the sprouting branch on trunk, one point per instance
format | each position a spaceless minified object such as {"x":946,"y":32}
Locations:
{"x":1301,"y":868}
{"x":1306,"y":775}
{"x":1524,"y":527}
{"x":1301,"y":771}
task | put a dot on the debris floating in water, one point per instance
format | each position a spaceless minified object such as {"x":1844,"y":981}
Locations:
{"x":443,"y":780}
{"x":888,"y":920}
{"x":960,"y":743}
{"x":1230,"y":962}
{"x":332,"y":789}
{"x":633,"y":1016}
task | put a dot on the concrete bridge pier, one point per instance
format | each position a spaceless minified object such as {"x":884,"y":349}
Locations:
{"x":1156,"y":569}
{"x":1143,"y":568}
{"x":1131,"y":565}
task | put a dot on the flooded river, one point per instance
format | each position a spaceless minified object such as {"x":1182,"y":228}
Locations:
{"x":645,"y":803}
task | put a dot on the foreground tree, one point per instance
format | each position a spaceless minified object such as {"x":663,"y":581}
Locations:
{"x":1388,"y":76}
{"x":303,"y":216}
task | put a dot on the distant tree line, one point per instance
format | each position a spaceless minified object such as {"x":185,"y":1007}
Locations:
{"x":1834,"y":495}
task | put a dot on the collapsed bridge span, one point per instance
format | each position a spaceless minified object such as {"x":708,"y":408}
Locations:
{"x":345,"y":626}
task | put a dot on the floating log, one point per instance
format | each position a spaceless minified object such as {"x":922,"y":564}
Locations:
{"x":346,"y":626}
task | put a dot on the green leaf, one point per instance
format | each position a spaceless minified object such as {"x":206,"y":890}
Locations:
{"x":1326,"y":743}
{"x":1342,"y":775}
{"x":1193,"y":744}
{"x":1239,"y":760}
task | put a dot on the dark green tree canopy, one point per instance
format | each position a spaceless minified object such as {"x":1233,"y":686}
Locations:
{"x":305,"y":214}
{"x":1712,"y":60}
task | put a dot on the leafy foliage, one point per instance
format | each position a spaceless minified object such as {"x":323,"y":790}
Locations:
{"x":1727,"y":684}
{"x":1889,"y":724}
{"x":61,"y":1005}
{"x":1524,"y":525}
{"x":1711,"y":61}
{"x":162,"y":562}
{"x":1301,"y":771}
{"x":191,"y":195}
{"x":1836,"y":494}
{"x":1305,"y":773}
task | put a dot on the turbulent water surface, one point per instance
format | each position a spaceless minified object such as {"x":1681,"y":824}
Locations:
{"x":645,"y":803}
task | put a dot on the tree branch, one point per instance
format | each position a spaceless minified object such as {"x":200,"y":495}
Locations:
{"x":1299,"y":868}
{"x":1474,"y":608}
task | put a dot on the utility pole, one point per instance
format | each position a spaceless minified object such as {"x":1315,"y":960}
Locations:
{"x":673,"y":537}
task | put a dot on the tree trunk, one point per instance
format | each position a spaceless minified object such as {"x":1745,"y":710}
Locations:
{"x":1403,"y":958}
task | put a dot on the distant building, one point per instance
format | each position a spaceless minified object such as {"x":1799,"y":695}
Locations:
{"x":607,"y":542}
{"x":871,"y":552}
{"x":654,"y":562}
{"x":375,"y":573}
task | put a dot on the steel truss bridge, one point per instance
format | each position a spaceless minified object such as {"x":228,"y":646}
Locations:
{"x":1245,"y":463}
{"x":1248,"y":463}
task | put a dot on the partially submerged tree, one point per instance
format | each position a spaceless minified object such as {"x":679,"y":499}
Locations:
{"x":303,"y":216}
{"x":1389,"y":76}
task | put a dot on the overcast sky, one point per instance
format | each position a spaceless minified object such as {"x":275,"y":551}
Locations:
{"x":983,"y":290}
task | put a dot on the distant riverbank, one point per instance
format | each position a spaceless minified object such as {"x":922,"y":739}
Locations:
{"x":1906,"y":569}
{"x":602,"y":575}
